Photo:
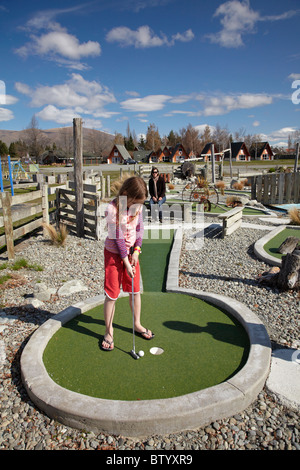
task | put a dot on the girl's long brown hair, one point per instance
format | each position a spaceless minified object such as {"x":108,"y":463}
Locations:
{"x":135,"y":189}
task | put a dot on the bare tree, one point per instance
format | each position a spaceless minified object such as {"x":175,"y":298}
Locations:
{"x":221,"y":137}
{"x":66,"y":140}
{"x":35,"y":139}
{"x":190,"y":139}
{"x":119,"y":139}
{"x":153,"y":140}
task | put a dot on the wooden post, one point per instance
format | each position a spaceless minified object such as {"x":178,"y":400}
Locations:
{"x":102,"y":187}
{"x":296,"y":158}
{"x":108,"y":185}
{"x":230,"y":161}
{"x":45,"y":206}
{"x":97,"y":217}
{"x":78,"y":175}
{"x":212,"y":163}
{"x":8,"y":225}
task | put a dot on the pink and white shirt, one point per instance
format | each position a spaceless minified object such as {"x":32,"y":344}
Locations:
{"x":128,"y":232}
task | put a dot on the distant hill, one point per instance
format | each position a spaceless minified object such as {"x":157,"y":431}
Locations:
{"x":93,"y":140}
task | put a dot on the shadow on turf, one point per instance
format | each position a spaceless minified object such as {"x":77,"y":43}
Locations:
{"x":219,"y":331}
{"x":77,"y":325}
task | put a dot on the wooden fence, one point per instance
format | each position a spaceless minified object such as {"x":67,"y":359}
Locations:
{"x":66,"y":210}
{"x":276,"y":188}
{"x":29,"y":211}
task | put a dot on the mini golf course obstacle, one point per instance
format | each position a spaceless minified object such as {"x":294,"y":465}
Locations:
{"x":144,"y":403}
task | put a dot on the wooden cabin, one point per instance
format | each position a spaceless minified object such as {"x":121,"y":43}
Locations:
{"x":206,"y":153}
{"x":239,"y":152}
{"x":178,"y":154}
{"x":261,"y":151}
{"x":118,"y":154}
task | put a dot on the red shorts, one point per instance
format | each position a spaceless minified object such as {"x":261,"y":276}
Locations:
{"x":117,"y":276}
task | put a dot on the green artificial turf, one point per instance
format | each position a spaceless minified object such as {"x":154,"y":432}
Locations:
{"x":272,"y":246}
{"x":203,"y":345}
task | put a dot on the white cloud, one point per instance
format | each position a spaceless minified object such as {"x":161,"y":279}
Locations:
{"x":201,"y":128}
{"x":294,"y":76}
{"x":65,"y":116}
{"x":219,"y":104}
{"x":144,"y":37}
{"x":6,"y":114}
{"x":23,"y":88}
{"x":61,"y":116}
{"x":146,"y":104}
{"x":222,"y":104}
{"x":71,"y":99}
{"x":59,"y":44}
{"x":75,"y":92}
{"x":282,"y":133}
{"x":238,"y":19}
{"x":55,"y":43}
{"x":256,"y":123}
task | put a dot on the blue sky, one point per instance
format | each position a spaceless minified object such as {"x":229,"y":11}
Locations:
{"x":165,"y":62}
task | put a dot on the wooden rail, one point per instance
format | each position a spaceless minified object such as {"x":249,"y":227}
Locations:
{"x":232,"y":220}
{"x":17,"y":209}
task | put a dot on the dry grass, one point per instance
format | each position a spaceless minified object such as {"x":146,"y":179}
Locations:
{"x":238,"y":185}
{"x":294,"y":215}
{"x":202,"y":182}
{"x":116,"y":185}
{"x":220,"y":185}
{"x":57,"y":237}
{"x":246,"y":182}
{"x":233,"y":201}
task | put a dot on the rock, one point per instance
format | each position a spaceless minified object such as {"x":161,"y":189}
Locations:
{"x":42,"y":292}
{"x":71,"y":287}
{"x":36,"y":303}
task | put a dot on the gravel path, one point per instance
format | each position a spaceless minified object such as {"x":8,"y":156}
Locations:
{"x":227,"y":267}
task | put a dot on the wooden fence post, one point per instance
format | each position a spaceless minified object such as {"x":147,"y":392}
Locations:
{"x":102,"y":187}
{"x":78,"y":175}
{"x":108,"y":185}
{"x":97,"y":217}
{"x":45,"y":206}
{"x":296,"y":158}
{"x":8,"y":225}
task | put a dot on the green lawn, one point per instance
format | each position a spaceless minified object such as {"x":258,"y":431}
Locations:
{"x":203,"y":345}
{"x":272,"y":246}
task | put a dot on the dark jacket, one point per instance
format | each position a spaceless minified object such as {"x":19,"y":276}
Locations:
{"x":161,"y":187}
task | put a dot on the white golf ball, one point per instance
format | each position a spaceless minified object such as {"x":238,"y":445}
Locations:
{"x":141,"y":353}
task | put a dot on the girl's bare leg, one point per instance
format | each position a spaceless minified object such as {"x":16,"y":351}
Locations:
{"x":137,"y":313}
{"x":109,"y":311}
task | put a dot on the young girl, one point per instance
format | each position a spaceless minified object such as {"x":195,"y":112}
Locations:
{"x":121,"y":254}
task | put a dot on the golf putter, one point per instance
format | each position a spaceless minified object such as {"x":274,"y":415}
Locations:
{"x":132,"y":352}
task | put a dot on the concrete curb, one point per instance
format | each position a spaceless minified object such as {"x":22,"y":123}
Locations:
{"x":259,"y":245}
{"x":148,"y":417}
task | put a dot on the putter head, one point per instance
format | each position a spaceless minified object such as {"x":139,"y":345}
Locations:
{"x":134,"y":354}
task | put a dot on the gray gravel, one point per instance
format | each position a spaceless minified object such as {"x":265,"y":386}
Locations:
{"x":227,"y":267}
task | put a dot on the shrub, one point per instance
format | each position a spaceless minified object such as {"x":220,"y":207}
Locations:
{"x":246,"y":182}
{"x":294,"y":215}
{"x":57,"y":237}
{"x":233,"y":201}
{"x":221,"y":186}
{"x":238,"y":185}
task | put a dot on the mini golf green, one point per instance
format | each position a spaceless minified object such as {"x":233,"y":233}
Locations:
{"x":272,"y":246}
{"x":203,"y":345}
